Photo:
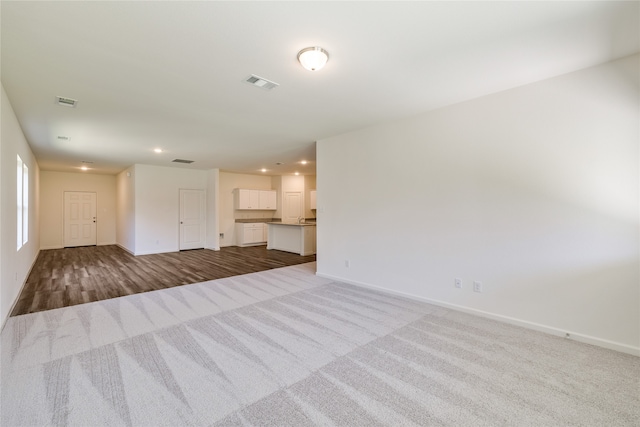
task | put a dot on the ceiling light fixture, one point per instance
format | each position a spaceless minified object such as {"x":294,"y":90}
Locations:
{"x":157,"y":150}
{"x":304,"y":162}
{"x":297,"y":173}
{"x":84,"y":168}
{"x":313,"y":58}
{"x":263,"y":170}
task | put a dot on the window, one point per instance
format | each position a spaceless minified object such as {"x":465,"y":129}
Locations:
{"x":23,"y":203}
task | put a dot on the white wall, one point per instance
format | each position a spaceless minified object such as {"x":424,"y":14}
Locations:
{"x":533,"y":191}
{"x":15,"y":264}
{"x":157,"y":205}
{"x":213,"y":203}
{"x":52,"y":188}
{"x":292,"y":183}
{"x":228,"y":215}
{"x":125,"y":210}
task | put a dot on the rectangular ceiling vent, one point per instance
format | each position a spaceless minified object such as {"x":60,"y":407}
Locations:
{"x":182,"y":161}
{"x":260,"y":82}
{"x":67,"y":102}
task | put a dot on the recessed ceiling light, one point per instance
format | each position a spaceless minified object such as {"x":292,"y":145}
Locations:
{"x":304,"y":162}
{"x":297,"y":173}
{"x":84,"y":168}
{"x":263,"y":170}
{"x":157,"y":150}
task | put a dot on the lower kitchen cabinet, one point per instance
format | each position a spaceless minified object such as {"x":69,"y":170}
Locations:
{"x":253,"y":233}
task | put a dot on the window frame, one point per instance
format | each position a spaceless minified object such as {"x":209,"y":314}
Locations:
{"x":22,"y":203}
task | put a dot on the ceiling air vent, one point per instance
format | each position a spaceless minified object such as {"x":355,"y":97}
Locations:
{"x":260,"y":82}
{"x":67,"y":102}
{"x":182,"y":161}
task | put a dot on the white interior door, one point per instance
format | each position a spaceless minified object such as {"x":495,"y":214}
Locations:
{"x":192,"y":219}
{"x":292,"y":208}
{"x":79,"y":219}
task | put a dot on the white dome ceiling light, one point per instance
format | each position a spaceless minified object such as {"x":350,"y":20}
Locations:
{"x":313,"y":58}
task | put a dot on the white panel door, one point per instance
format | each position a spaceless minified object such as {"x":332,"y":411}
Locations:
{"x":192,"y":219}
{"x":292,"y":207}
{"x":79,"y":219}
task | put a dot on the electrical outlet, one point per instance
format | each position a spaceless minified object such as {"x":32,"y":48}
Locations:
{"x":347,"y":263}
{"x":477,"y":286}
{"x":458,"y":283}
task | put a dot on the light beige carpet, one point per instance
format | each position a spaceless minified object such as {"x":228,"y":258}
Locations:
{"x":287,"y":348}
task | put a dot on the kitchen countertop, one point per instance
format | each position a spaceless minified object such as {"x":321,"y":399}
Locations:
{"x":308,"y":221}
{"x":303,"y":224}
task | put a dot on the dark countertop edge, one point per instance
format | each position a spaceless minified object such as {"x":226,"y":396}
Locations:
{"x":311,"y":221}
{"x":304,"y":224}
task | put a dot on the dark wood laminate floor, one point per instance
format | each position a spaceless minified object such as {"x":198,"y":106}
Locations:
{"x":70,"y":276}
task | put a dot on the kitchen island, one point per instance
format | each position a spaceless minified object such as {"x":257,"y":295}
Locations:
{"x":299,"y":238}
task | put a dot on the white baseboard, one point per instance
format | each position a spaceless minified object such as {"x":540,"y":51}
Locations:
{"x":44,"y":248}
{"x":144,"y":252}
{"x":124,"y":249}
{"x":155,"y":252}
{"x":587,"y":339}
{"x":24,"y":282}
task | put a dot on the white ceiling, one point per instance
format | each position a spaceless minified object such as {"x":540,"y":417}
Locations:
{"x":170,"y":74}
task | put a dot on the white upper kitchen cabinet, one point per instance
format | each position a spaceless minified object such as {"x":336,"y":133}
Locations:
{"x":255,"y":199}
{"x":268,"y":199}
{"x":247,"y":199}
